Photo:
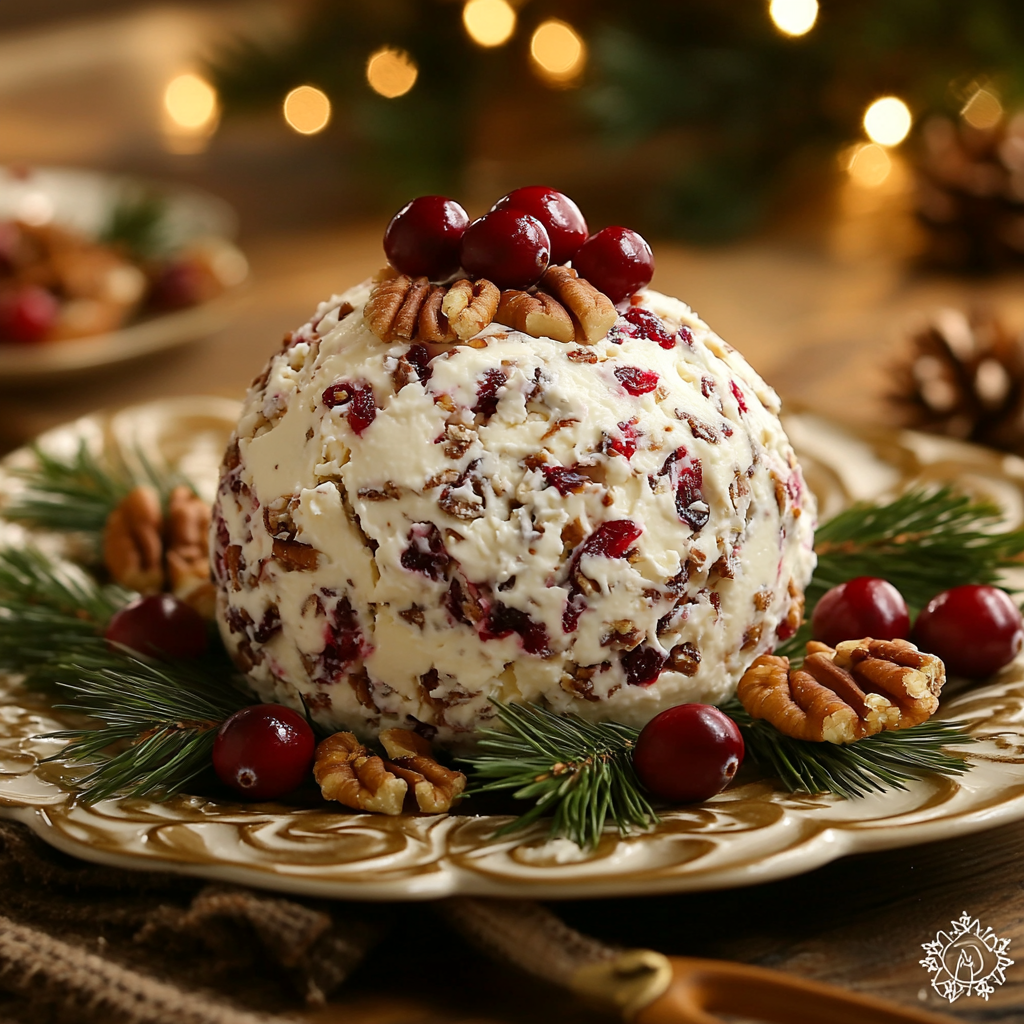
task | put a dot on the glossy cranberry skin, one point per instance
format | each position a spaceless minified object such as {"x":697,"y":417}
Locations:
{"x":688,"y":753}
{"x":560,"y":216}
{"x":616,"y":261}
{"x":264,"y":751}
{"x":975,"y":629}
{"x":160,"y":626}
{"x":27,"y":314}
{"x":862,"y":607}
{"x":423,"y":238}
{"x":509,"y":247}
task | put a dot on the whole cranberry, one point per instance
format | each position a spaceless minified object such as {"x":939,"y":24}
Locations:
{"x":688,"y":753}
{"x":422,"y":239}
{"x":862,"y":607}
{"x":180,"y":284}
{"x":160,"y":626}
{"x":264,"y":751}
{"x":975,"y":629}
{"x":616,"y":261}
{"x":27,"y":314}
{"x":509,"y":247}
{"x":560,"y":216}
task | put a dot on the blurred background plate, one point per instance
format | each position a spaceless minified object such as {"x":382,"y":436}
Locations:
{"x":84,"y":201}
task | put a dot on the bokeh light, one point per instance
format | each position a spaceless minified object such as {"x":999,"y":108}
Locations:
{"x":190,"y":102}
{"x":558,"y":52}
{"x":983,"y":110}
{"x":887,"y":121}
{"x":307,"y":109}
{"x":489,"y":22}
{"x":391,"y":72}
{"x":794,"y":17}
{"x":869,"y":165}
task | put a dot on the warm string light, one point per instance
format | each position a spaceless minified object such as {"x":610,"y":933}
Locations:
{"x":190,"y":113}
{"x":887,"y":121}
{"x":869,"y":165}
{"x":307,"y":110}
{"x":391,"y":72}
{"x":983,"y":110}
{"x":793,"y":17}
{"x":489,"y":22}
{"x":558,"y":53}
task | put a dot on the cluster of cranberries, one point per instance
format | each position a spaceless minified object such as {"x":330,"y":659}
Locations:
{"x":975,"y":629}
{"x":515,"y":242}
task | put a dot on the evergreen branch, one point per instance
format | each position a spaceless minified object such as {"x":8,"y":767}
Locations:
{"x":581,"y":773}
{"x":161,"y":720}
{"x":137,"y":223}
{"x":888,"y":760}
{"x":77,"y":493}
{"x":48,"y":607}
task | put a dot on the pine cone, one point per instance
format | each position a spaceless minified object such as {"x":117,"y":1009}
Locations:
{"x":964,"y":377}
{"x":970,"y":194}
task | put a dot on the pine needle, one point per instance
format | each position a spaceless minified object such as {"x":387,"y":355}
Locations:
{"x":581,"y":773}
{"x":888,"y":760}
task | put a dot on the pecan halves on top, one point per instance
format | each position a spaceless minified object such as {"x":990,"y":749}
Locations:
{"x":593,"y":310}
{"x":348,"y":772}
{"x":133,"y":541}
{"x":433,"y":325}
{"x":540,"y":315}
{"x":435,"y":787}
{"x":470,"y":307}
{"x":393,"y":308}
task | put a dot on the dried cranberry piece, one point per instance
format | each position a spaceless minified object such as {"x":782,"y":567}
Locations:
{"x":643,"y":665}
{"x":420,"y":359}
{"x":612,"y":539}
{"x":565,"y":479}
{"x":344,"y":642}
{"x":649,"y":326}
{"x":487,"y":393}
{"x":502,"y":621}
{"x":738,"y":395}
{"x":707,"y":385}
{"x":627,"y":444}
{"x":426,"y":552}
{"x":687,"y":478}
{"x":685,"y":335}
{"x":362,"y":410}
{"x":269,"y":624}
{"x":635,"y":380}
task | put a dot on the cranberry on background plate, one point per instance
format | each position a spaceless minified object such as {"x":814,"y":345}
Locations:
{"x":975,"y":629}
{"x":264,"y":751}
{"x":863,"y":607}
{"x":560,"y":216}
{"x":423,"y":238}
{"x":159,"y":626}
{"x":27,"y":314}
{"x":616,"y":261}
{"x":509,"y":247}
{"x":688,"y":753}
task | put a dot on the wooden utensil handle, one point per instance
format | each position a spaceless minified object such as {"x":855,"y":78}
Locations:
{"x":702,"y":988}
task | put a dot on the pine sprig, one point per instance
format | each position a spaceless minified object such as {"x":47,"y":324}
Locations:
{"x":163,"y":717}
{"x":77,"y":493}
{"x":888,"y":760}
{"x":48,"y":607}
{"x":581,"y":773}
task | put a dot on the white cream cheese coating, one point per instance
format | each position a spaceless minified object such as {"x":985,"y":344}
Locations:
{"x":405,"y":532}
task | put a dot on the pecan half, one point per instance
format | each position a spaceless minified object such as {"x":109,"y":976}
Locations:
{"x":386,"y":298}
{"x":433,"y":323}
{"x":348,"y":772}
{"x":470,"y":307}
{"x":133,"y":541}
{"x":188,"y":555}
{"x":873,"y":686}
{"x":593,"y":310}
{"x":540,"y":315}
{"x":434,"y":787}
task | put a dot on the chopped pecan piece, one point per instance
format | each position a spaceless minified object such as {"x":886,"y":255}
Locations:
{"x":348,"y":772}
{"x":874,"y":685}
{"x":296,"y":557}
{"x":622,"y":634}
{"x":435,"y":787}
{"x":470,"y":307}
{"x":133,"y":541}
{"x":593,"y":310}
{"x":581,"y":355}
{"x":684,"y":658}
{"x":188,"y":555}
{"x":538,"y":315}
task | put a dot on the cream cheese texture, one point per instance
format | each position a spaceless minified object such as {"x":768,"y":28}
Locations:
{"x":405,"y":532}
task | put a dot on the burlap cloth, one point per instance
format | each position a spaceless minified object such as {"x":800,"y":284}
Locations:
{"x":81,"y":943}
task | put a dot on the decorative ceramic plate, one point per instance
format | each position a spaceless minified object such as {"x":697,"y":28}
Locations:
{"x":751,"y":833}
{"x":82,"y":200}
